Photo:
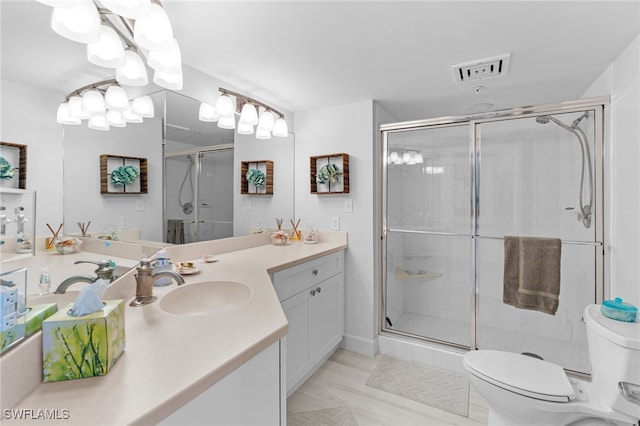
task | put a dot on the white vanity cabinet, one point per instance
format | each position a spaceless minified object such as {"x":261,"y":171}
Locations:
{"x":312,"y":297}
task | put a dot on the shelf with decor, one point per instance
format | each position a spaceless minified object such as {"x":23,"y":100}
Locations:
{"x":256,"y":177}
{"x":123,"y":175}
{"x":329,"y":174}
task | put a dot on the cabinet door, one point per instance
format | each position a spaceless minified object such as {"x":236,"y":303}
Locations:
{"x":327,"y":315}
{"x":299,"y":356}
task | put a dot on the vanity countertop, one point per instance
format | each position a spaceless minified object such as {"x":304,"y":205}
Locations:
{"x":170,"y":359}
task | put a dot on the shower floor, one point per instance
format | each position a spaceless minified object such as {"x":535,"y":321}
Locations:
{"x":571,"y":355}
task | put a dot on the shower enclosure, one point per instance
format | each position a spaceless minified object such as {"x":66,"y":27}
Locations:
{"x":199,"y":193}
{"x":454,"y":187}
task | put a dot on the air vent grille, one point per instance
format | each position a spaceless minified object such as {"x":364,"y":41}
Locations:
{"x":482,"y":68}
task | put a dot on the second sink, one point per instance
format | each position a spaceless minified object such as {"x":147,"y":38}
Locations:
{"x":207,"y":297}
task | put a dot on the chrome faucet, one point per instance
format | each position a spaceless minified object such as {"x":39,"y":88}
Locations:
{"x":104,"y":271}
{"x":3,"y":221}
{"x":144,"y":283}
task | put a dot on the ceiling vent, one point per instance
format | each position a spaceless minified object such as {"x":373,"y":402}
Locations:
{"x":482,"y":68}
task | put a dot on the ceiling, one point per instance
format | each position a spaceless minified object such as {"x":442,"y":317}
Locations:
{"x":304,"y":55}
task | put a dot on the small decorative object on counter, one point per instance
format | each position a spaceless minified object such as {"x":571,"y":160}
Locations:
{"x":162,"y":263}
{"x":45,"y":280}
{"x":279,"y":238}
{"x":67,"y":245}
{"x":279,"y":223}
{"x":84,"y":228}
{"x":310,"y":235}
{"x":296,"y":235}
{"x":84,"y":346}
{"x":53,"y":239}
{"x":618,"y":310}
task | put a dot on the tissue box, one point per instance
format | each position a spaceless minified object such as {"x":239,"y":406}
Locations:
{"x":86,"y":346}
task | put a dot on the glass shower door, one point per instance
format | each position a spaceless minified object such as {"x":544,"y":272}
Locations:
{"x":428,"y":234}
{"x":215,"y":196}
{"x":529,"y":181}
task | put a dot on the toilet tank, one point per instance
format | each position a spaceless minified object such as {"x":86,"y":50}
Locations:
{"x":614,"y":351}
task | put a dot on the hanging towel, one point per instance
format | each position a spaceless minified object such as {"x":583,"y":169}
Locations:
{"x":532,"y":273}
{"x":175,"y":231}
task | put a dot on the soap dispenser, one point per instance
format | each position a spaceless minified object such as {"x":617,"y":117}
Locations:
{"x":162,"y":263}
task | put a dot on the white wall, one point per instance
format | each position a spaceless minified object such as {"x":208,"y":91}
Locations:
{"x":621,"y":80}
{"x":83,"y":200}
{"x":349,"y":129}
{"x":28,"y":117}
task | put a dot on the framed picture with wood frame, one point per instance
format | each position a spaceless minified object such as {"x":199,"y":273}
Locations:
{"x":13,"y":165}
{"x":123,"y":175}
{"x":329,"y":174}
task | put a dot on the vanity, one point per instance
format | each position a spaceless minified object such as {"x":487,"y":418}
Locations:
{"x":221,"y":367}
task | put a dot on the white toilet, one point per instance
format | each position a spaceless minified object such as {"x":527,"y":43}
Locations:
{"x":522,"y":390}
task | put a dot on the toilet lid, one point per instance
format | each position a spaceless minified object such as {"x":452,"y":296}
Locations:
{"x":521,"y":374}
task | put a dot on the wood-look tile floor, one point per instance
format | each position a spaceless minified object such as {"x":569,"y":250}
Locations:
{"x":340,"y":384}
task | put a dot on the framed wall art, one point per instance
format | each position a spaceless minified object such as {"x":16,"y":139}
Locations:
{"x":329,"y":174}
{"x":13,"y":165}
{"x":256,"y":177}
{"x":123,"y":175}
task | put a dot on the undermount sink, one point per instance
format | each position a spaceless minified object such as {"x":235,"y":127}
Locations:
{"x":207,"y":297}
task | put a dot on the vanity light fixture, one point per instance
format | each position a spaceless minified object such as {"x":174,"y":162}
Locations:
{"x":108,"y":27}
{"x":105,"y":104}
{"x":247,"y":108}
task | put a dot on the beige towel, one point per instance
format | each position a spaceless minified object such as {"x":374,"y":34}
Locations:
{"x":532,"y":273}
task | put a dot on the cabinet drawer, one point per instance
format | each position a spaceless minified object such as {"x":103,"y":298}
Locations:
{"x":292,"y":281}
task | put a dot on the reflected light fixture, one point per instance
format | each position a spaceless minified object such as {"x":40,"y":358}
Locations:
{"x":171,"y":81}
{"x":133,"y":72}
{"x":247,"y":108}
{"x":153,"y":32}
{"x":105,"y":104}
{"x":406,"y":157}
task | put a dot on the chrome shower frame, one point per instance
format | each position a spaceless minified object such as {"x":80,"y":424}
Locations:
{"x":596,"y":105}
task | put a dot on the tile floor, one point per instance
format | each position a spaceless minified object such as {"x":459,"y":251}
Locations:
{"x":340,"y":385}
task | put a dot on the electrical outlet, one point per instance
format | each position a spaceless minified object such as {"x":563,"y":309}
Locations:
{"x":140,"y":205}
{"x":348,"y":205}
{"x":124,"y":222}
{"x":335,"y":223}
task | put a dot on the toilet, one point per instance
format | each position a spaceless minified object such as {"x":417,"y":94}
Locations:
{"x":522,"y":390}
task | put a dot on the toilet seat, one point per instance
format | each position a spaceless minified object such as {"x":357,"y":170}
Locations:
{"x":524,"y":375}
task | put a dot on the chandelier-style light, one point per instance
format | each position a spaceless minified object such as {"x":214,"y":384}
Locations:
{"x":225,"y":109}
{"x":406,"y":157}
{"x":104,"y":104}
{"x":114,"y":40}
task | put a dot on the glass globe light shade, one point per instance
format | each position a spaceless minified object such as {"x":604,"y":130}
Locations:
{"x":64,"y":117}
{"x":153,"y":32}
{"x":107,"y":51}
{"x":406,"y":157}
{"x":244,"y":128}
{"x":207,"y":112}
{"x":249,"y":114}
{"x":116,"y":98}
{"x":79,"y":23}
{"x":263,"y":133}
{"x":171,"y":81}
{"x":93,"y":102}
{"x":143,"y":106}
{"x":266,"y":121}
{"x":419,"y":159}
{"x":280,"y":128}
{"x":227,"y":122}
{"x":98,"y":122}
{"x":169,"y":61}
{"x":75,"y":108}
{"x":130,"y":117}
{"x":393,"y":157}
{"x":224,"y":106}
{"x":134,"y":9}
{"x":133,"y":72}
{"x":115,"y":119}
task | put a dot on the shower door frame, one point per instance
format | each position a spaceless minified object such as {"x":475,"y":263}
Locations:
{"x":597,"y":104}
{"x":197,"y":152}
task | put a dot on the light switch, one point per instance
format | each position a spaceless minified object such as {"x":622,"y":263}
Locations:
{"x":335,"y":223}
{"x":348,"y":205}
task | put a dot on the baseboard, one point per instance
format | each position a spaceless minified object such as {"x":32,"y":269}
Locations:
{"x":358,"y":344}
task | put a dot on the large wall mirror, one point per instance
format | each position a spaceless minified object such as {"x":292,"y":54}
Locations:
{"x":193,"y":178}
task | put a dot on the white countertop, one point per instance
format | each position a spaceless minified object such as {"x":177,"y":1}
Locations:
{"x":170,"y":359}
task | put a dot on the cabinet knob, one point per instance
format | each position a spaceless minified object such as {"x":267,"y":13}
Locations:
{"x":318,"y":289}
{"x":314,"y":272}
{"x":313,"y":292}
